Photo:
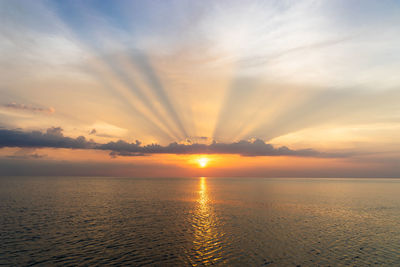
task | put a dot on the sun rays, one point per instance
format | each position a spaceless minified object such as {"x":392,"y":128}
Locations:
{"x":200,"y":79}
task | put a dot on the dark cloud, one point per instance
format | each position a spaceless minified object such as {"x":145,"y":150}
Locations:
{"x":244,"y":148}
{"x":93,"y":131}
{"x":30,"y":108}
{"x":55,"y":131}
{"x":54,"y":138}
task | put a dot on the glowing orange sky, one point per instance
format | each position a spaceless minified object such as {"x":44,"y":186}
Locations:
{"x":304,"y":75}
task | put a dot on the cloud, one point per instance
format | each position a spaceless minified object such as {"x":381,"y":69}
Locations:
{"x":54,"y":138}
{"x":198,"y":139}
{"x":115,"y":154}
{"x":26,"y":153}
{"x":243,"y":148}
{"x":30,"y":156}
{"x":96,"y":133}
{"x":29,"y":108}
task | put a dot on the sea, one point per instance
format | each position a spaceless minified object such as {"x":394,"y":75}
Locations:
{"x":91,"y":221}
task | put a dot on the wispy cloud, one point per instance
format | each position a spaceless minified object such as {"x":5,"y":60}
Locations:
{"x":26,"y":153}
{"x":29,"y":108}
{"x":115,"y":154}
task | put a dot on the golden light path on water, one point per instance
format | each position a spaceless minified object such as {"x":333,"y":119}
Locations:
{"x":207,"y":236}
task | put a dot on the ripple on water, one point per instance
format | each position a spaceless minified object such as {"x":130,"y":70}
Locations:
{"x":257,"y":222}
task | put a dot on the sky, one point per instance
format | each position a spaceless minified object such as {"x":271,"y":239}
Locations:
{"x":284,"y":88}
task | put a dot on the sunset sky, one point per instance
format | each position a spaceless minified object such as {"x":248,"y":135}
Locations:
{"x":200,"y":88}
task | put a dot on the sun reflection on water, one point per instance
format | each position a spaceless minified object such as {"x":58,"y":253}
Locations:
{"x":207,"y":237}
{"x":203,"y":199}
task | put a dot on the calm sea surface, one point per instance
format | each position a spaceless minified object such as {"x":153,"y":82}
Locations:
{"x":199,"y":221}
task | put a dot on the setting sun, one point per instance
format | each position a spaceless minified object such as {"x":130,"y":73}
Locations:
{"x":226,"y":133}
{"x":202,"y":162}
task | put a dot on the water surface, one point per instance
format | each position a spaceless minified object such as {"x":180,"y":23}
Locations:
{"x":199,"y":221}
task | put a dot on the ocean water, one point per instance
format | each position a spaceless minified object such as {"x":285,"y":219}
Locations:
{"x":199,"y":221}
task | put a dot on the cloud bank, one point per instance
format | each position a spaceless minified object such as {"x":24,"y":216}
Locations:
{"x":54,"y":138}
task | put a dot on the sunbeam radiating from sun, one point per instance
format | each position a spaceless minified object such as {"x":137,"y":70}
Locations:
{"x":266,"y":78}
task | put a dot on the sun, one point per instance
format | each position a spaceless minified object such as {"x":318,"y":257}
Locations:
{"x":202,"y":162}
